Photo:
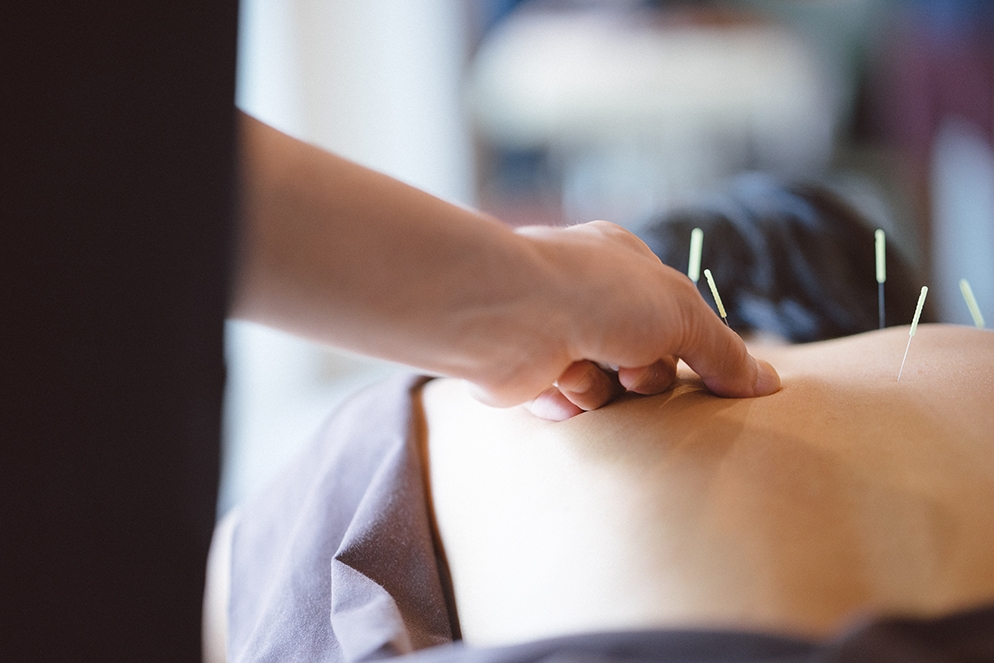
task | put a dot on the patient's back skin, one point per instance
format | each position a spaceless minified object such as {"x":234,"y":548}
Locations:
{"x":847,"y":494}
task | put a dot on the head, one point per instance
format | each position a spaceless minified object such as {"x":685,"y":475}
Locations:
{"x":789,"y":259}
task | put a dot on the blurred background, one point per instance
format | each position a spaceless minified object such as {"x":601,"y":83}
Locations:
{"x":555,"y":112}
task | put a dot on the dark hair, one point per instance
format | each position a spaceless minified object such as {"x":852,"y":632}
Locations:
{"x":793,"y":259}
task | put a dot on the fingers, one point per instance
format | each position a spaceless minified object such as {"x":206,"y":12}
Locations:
{"x":616,"y":303}
{"x":653,"y":379}
{"x":587,"y":386}
{"x":552,"y":405}
{"x":720,"y":357}
{"x":756,"y":378}
{"x":767,"y":379}
{"x":582,"y":386}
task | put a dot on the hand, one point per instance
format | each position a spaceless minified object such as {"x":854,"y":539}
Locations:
{"x":622,"y":307}
{"x":341,"y":254}
{"x":587,"y":386}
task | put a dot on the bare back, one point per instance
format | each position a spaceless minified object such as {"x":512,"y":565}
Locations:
{"x":846,"y":493}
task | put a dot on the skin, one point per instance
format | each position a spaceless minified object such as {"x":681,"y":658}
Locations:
{"x":346,"y":256}
{"x":847,"y":494}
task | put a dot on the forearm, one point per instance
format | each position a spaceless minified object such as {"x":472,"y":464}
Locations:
{"x":344,"y":255}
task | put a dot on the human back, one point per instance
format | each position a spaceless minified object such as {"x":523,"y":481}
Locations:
{"x":847,"y":494}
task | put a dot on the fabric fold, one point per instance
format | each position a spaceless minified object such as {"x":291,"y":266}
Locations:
{"x":335,"y":561}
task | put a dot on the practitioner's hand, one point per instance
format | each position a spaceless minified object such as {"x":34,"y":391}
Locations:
{"x":335,"y":252}
{"x":586,"y":386}
{"x":625,"y":308}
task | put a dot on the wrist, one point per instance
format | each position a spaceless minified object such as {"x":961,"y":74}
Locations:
{"x":517,"y":336}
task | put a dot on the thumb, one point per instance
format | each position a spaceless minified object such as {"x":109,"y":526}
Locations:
{"x":720,"y":357}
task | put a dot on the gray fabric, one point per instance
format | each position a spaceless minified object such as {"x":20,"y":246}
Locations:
{"x":633,"y":647}
{"x":967,"y":636}
{"x":337,"y":562}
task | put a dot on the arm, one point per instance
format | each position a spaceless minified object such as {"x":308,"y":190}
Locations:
{"x":348,"y":256}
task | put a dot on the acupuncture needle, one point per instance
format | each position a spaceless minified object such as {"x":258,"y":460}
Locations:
{"x":717,"y":298}
{"x":696,"y":247}
{"x":914,"y":326}
{"x":971,"y":303}
{"x":880,"y":245}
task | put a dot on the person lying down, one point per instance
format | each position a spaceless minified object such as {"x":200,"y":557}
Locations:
{"x":846,"y":517}
{"x":847,"y":495}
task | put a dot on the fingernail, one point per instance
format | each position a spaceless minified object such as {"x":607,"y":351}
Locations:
{"x":767,"y":379}
{"x":553,"y":406}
